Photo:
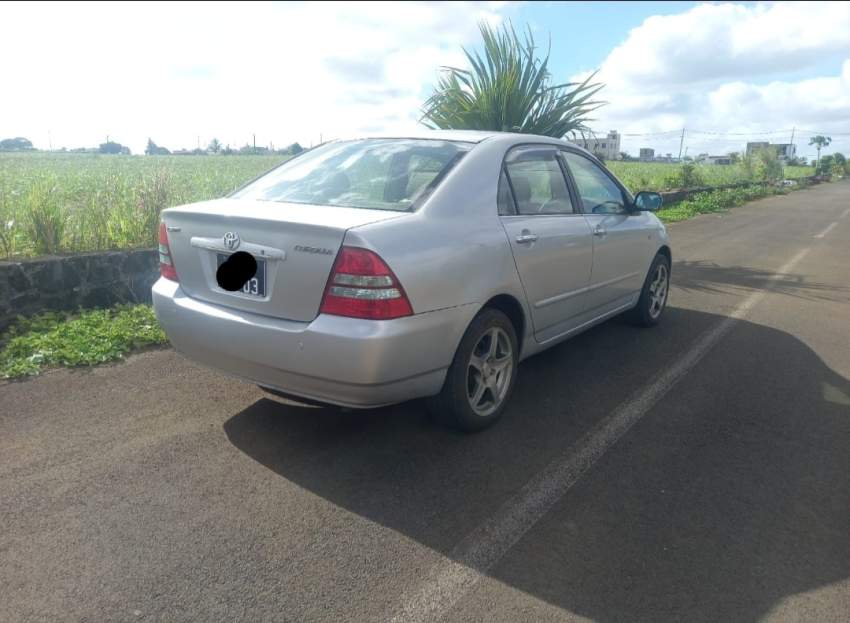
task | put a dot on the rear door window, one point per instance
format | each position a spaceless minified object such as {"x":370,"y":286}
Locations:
{"x":537,"y":182}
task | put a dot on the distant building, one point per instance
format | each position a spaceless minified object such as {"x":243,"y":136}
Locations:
{"x":755,"y":146}
{"x":646,"y":154}
{"x":786,"y":151}
{"x":717,"y":160}
{"x":607,"y":148}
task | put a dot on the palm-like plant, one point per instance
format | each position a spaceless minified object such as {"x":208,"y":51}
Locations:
{"x":819,"y":142}
{"x":509,"y":90}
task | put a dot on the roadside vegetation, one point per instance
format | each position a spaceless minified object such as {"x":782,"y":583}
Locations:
{"x":721,"y":200}
{"x":659,"y":176}
{"x":65,"y":203}
{"x":86,"y":338}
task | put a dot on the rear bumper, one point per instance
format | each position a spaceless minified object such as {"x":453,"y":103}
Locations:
{"x":344,"y":361}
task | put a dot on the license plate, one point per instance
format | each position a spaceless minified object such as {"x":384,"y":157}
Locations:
{"x":256,"y":285}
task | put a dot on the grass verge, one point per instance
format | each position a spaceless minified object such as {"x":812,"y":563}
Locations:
{"x":86,"y":338}
{"x":720,"y":201}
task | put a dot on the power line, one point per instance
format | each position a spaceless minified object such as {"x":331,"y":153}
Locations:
{"x":792,"y":130}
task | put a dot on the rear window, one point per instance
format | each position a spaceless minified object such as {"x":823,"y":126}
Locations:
{"x":387,"y":174}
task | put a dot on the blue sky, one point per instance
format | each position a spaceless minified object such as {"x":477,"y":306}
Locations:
{"x":583,"y":33}
{"x":300,"y":71}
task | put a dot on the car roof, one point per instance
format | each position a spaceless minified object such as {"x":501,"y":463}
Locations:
{"x":466,"y":136}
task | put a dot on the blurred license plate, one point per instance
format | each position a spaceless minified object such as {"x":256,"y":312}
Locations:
{"x":256,"y":285}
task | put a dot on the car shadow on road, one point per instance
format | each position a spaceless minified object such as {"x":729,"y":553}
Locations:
{"x":705,"y":276}
{"x":715,"y":506}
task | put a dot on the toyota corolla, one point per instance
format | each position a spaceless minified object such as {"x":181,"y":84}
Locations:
{"x":374,"y":271}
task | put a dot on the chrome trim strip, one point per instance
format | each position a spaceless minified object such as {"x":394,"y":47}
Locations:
{"x":566,"y":295}
{"x":585,"y":325}
{"x":217,"y":244}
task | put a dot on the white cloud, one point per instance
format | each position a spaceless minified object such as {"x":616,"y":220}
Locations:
{"x":714,"y":67}
{"x":287,"y":71}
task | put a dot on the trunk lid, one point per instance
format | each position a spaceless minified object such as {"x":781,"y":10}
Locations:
{"x":297,"y":244}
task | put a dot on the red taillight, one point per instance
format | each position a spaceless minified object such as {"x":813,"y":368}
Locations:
{"x":166,"y":264}
{"x":361,"y":285}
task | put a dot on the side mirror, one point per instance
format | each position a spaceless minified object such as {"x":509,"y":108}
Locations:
{"x":646,"y":201}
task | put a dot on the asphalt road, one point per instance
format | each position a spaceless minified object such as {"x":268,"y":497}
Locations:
{"x":698,"y":471}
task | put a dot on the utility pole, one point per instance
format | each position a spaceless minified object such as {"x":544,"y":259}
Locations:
{"x":681,"y":142}
{"x":255,"y":142}
{"x":49,"y":141}
{"x":792,"y":141}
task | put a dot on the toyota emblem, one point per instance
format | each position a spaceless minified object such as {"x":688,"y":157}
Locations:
{"x":231,"y":240}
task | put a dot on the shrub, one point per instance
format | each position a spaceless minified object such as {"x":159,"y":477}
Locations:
{"x":47,"y":218}
{"x":768,"y":167}
{"x":687,"y":176}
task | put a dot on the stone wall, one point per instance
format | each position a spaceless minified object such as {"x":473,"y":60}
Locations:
{"x":674,"y":196}
{"x":83,"y":280}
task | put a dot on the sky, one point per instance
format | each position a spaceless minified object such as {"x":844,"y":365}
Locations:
{"x":74,"y":73}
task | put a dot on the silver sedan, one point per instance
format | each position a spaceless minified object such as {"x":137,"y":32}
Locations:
{"x":373,"y":271}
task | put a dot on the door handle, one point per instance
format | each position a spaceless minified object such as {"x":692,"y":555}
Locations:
{"x":526,"y":237}
{"x":600,"y":231}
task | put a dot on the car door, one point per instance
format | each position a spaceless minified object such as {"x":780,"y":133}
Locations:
{"x":550,"y":239}
{"x":621,"y":237}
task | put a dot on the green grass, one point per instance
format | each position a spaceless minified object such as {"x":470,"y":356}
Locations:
{"x":656,"y":175}
{"x":719,"y":201}
{"x":84,"y":339}
{"x":60,"y":203}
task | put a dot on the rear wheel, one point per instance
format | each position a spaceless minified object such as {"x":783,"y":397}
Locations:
{"x":481,"y":377}
{"x":653,"y":297}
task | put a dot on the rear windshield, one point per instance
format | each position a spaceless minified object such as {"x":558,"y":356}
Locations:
{"x":387,"y":174}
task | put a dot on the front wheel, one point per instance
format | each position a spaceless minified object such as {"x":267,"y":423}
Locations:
{"x":481,"y":377}
{"x":653,"y":296}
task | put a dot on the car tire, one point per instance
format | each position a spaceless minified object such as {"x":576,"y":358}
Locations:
{"x":481,"y":377}
{"x":653,"y":296}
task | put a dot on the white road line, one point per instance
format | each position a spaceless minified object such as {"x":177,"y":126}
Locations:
{"x":827,"y":230}
{"x":458,"y":573}
{"x":845,"y":213}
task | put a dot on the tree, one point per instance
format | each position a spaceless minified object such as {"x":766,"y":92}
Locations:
{"x":214,"y":146}
{"x":111,"y":147}
{"x":768,"y":167}
{"x":509,"y":90}
{"x":19,"y":143}
{"x":155,"y":150}
{"x":825,"y":165}
{"x":819,"y":141}
{"x":294,"y":149}
{"x":734,"y":157}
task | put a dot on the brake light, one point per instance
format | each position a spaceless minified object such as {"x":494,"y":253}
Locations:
{"x":166,"y":264}
{"x":361,"y":285}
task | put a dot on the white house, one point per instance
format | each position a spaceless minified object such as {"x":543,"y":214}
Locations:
{"x":607,"y":148}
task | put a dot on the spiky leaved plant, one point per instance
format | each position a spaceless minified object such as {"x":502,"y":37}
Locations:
{"x":510,"y":90}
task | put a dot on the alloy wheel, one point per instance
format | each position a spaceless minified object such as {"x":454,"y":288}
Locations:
{"x":489,"y":372}
{"x":658,"y":291}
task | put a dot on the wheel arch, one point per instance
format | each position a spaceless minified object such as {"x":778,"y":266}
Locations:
{"x":512,"y":308}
